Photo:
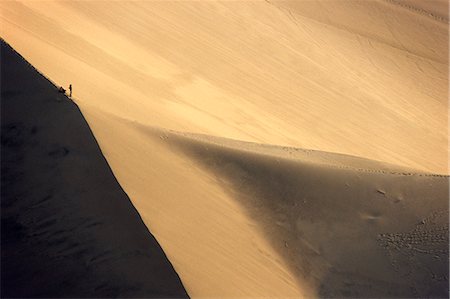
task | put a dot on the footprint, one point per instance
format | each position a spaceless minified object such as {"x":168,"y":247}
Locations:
{"x":371,"y":217}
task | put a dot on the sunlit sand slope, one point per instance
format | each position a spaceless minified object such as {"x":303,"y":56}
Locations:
{"x":366,"y":78}
{"x":67,"y":227}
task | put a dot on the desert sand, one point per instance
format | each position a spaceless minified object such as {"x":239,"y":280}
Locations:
{"x":274,"y":148}
{"x":68,"y":229}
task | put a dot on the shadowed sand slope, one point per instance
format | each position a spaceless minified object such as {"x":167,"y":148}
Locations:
{"x":348,"y":231}
{"x":67,"y":227}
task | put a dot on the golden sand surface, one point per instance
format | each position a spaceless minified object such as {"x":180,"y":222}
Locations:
{"x":361,"y":78}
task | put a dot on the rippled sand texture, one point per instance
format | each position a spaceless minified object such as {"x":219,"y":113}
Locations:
{"x":337,"y":185}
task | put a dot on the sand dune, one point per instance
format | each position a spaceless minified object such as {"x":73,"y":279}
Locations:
{"x":365,"y":78}
{"x":347,"y":231}
{"x":274,"y":148}
{"x":68,"y":230}
{"x":340,"y":225}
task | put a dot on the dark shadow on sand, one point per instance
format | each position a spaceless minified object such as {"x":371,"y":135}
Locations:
{"x":67,"y":227}
{"x":346,"y":232}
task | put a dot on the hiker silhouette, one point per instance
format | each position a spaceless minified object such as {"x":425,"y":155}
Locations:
{"x":70,"y":90}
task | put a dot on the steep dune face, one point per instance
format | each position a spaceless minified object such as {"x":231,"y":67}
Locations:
{"x":364,"y":78}
{"x":68,"y":230}
{"x":367,"y":78}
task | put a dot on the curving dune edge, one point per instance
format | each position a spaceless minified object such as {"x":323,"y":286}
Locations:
{"x":273,"y":148}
